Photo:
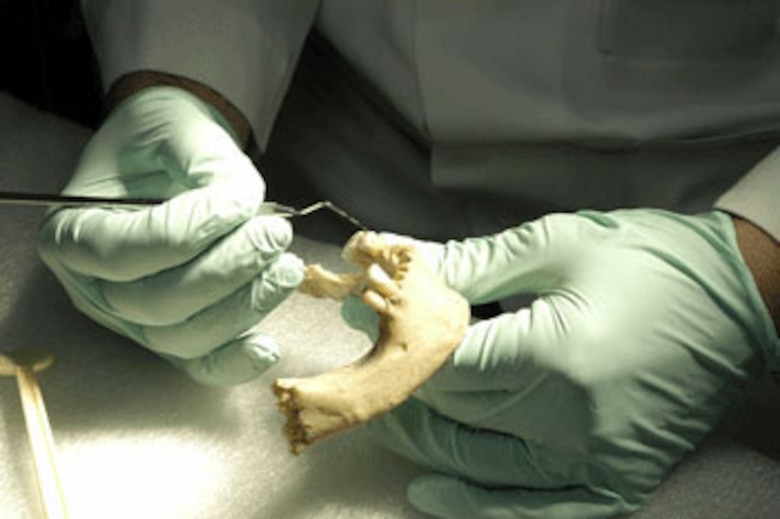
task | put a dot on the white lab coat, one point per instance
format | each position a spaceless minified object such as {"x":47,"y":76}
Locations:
{"x":443,"y":118}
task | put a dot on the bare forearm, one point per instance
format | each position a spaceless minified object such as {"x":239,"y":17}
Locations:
{"x":762,"y":256}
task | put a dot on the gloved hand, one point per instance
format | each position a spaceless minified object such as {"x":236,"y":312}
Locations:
{"x":190,"y":277}
{"x":644,"y":326}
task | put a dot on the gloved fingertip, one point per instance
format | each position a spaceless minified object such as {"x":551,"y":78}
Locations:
{"x":439,"y":496}
{"x":271,"y":233}
{"x":287,"y":271}
{"x":236,"y":363}
{"x":277,"y":282}
{"x":262,"y":351}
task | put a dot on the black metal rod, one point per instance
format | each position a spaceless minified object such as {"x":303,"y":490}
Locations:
{"x":49,"y":200}
{"x":29,"y":199}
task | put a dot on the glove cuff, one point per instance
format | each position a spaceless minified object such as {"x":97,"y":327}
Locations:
{"x":220,"y":109}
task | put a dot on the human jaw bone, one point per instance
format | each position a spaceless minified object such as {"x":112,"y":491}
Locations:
{"x":421,"y":321}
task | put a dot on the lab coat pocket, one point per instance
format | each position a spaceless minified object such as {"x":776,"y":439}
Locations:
{"x":688,"y":30}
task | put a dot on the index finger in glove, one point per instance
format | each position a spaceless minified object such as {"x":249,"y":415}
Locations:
{"x":533,"y":258}
{"x":230,"y":317}
{"x":239,"y":361}
{"x":178,"y":293}
{"x":122,"y":245}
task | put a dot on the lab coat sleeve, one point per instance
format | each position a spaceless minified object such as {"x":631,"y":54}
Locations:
{"x":757,"y":195}
{"x":244,"y":49}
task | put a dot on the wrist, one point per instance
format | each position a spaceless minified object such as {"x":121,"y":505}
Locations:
{"x":134,"y":82}
{"x":761,"y":253}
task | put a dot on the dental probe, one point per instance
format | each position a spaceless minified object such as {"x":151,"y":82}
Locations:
{"x":53,"y":200}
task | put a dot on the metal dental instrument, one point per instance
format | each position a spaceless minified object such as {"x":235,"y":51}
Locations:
{"x":52,"y":200}
{"x":327,"y":204}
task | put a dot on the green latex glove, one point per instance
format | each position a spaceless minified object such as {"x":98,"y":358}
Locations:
{"x":188,"y":278}
{"x":644,"y":327}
